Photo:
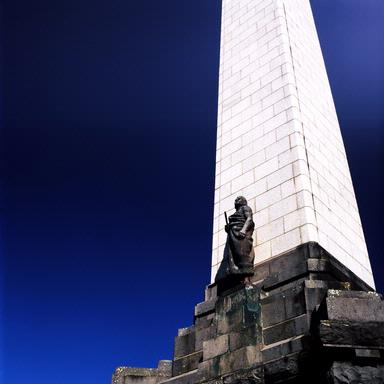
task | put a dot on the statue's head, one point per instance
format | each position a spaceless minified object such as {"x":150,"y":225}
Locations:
{"x":240,"y":201}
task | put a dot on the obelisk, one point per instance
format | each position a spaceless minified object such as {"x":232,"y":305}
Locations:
{"x":306,"y":311}
{"x":278,"y":138}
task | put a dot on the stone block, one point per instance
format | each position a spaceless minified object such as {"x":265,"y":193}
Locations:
{"x":300,"y":281}
{"x":127,"y":375}
{"x":284,"y":368}
{"x":353,"y":294}
{"x":287,"y":267}
{"x":285,"y":330}
{"x":185,"y":344}
{"x":320,"y":276}
{"x":284,"y":348}
{"x":249,"y":376}
{"x":272,"y":310}
{"x":211,"y":292}
{"x":164,"y":369}
{"x":188,"y":378}
{"x":283,"y":305}
{"x":316,"y":265}
{"x":367,"y":353}
{"x":322,"y":284}
{"x":294,"y":301}
{"x":238,"y":310}
{"x":247,"y":336}
{"x":205,"y":307}
{"x":185,"y":331}
{"x":314,"y":297}
{"x":243,"y":358}
{"x":203,"y":335}
{"x":354,"y":306}
{"x":288,"y":240}
{"x":140,"y":380}
{"x":204,"y":321}
{"x":215,"y":347}
{"x":352,"y":333}
{"x":208,"y":369}
{"x":313,"y":250}
{"x":346,"y":372}
{"x":186,"y":363}
{"x":230,"y":321}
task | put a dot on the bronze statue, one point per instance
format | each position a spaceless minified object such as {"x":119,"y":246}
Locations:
{"x":238,"y":252}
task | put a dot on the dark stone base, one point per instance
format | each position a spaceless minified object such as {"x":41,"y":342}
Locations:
{"x":300,"y":318}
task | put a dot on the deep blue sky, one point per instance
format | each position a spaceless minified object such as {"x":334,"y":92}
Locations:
{"x":109,"y":150}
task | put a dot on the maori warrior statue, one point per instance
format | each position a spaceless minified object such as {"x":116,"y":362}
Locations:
{"x":238,"y":252}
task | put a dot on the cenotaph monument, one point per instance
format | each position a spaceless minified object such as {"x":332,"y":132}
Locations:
{"x":292,"y":297}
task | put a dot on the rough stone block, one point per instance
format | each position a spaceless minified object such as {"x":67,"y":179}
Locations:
{"x":127,"y":375}
{"x":368,"y":295}
{"x":185,"y":344}
{"x":322,"y":284}
{"x":230,"y":321}
{"x":314,"y":297}
{"x":294,"y":301}
{"x":272,"y":310}
{"x":300,"y":282}
{"x":247,"y":336}
{"x":352,"y":333}
{"x":367,"y":353}
{"x":316,"y":265}
{"x":287,"y":347}
{"x":250,"y":376}
{"x":205,"y":307}
{"x":313,"y":250}
{"x":278,"y":370}
{"x":186,"y":363}
{"x":354,"y":306}
{"x":185,"y":331}
{"x":238,"y":310}
{"x":203,"y":335}
{"x":204,"y":321}
{"x":215,"y":347}
{"x":243,"y":358}
{"x":211,"y":292}
{"x":345,"y":372}
{"x":286,"y":330}
{"x":285,"y":268}
{"x":188,"y":378}
{"x":164,"y":369}
{"x":208,"y":369}
{"x":283,"y":305}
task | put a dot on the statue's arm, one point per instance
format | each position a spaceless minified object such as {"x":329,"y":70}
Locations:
{"x":249,"y":220}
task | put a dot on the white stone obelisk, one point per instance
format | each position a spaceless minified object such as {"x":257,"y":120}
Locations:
{"x":278,"y":137}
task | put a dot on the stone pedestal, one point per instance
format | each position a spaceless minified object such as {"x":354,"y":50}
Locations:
{"x":302,"y":318}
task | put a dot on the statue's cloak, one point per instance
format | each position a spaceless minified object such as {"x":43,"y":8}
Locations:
{"x":238,"y":252}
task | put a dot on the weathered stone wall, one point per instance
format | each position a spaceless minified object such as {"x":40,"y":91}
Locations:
{"x":303,"y":317}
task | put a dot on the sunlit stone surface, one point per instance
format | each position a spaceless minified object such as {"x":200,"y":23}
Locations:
{"x":278,"y":138}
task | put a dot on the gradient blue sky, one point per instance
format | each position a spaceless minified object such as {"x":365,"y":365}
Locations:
{"x":109,"y":149}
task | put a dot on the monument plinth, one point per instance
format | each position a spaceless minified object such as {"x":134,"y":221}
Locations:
{"x":303,"y":317}
{"x":292,"y":295}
